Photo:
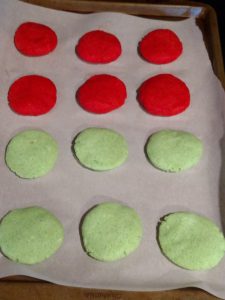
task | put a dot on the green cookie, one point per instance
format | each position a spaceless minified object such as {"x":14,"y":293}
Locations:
{"x":174,"y":151}
{"x":100,"y":149}
{"x":111,"y":231}
{"x":31,"y":154}
{"x":191,"y":241}
{"x":30,"y":235}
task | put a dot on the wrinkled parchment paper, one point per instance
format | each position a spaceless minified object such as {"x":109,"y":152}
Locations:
{"x":70,"y":190}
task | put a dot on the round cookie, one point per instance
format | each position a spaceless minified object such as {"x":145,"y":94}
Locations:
{"x":111,"y":231}
{"x":30,"y":235}
{"x":160,"y":46}
{"x":34,"y":39}
{"x":191,"y":241}
{"x":100,"y":149}
{"x":101,"y":94}
{"x":31,"y":154}
{"x":174,"y":151}
{"x":98,"y":47}
{"x":164,"y":95}
{"x":32,"y":95}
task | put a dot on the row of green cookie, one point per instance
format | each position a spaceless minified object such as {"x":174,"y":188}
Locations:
{"x":33,"y":153}
{"x":111,"y":231}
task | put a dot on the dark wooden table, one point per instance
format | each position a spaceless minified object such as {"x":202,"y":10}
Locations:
{"x":24,"y":288}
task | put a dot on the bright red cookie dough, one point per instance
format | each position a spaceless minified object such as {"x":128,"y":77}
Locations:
{"x":35,"y":39}
{"x":164,"y":95}
{"x":101,"y":94}
{"x":98,"y":47}
{"x":160,"y":46}
{"x":32,"y":95}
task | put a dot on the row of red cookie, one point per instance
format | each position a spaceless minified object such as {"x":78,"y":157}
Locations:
{"x":160,"y":46}
{"x":162,"y":95}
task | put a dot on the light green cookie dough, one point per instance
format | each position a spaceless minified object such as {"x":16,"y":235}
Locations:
{"x":111,"y":231}
{"x":30,"y":235}
{"x":100,"y":149}
{"x":173,"y":151}
{"x":191,"y":241}
{"x":31,"y":154}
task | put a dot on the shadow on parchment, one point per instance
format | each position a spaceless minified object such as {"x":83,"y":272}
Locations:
{"x":222,"y":185}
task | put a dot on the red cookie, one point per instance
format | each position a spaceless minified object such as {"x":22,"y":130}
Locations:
{"x":160,"y":46}
{"x":164,"y":95}
{"x":35,"y":39}
{"x":101,"y":94}
{"x":98,"y":47}
{"x":32,"y":95}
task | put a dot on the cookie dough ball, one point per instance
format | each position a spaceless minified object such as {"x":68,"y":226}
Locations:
{"x":31,"y":154}
{"x":102,"y":94}
{"x":174,"y":151}
{"x":34,"y":39}
{"x":160,"y":46}
{"x":32,"y":95}
{"x":111,"y":231}
{"x":30,"y":235}
{"x":191,"y":241}
{"x":100,"y":149}
{"x":98,"y":47}
{"x":164,"y":95}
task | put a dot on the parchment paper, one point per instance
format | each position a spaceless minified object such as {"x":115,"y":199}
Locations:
{"x":70,"y":190}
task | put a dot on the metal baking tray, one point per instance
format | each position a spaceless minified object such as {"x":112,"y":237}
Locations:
{"x":21,"y":287}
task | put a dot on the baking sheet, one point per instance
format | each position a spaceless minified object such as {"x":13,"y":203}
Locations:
{"x":70,"y":190}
